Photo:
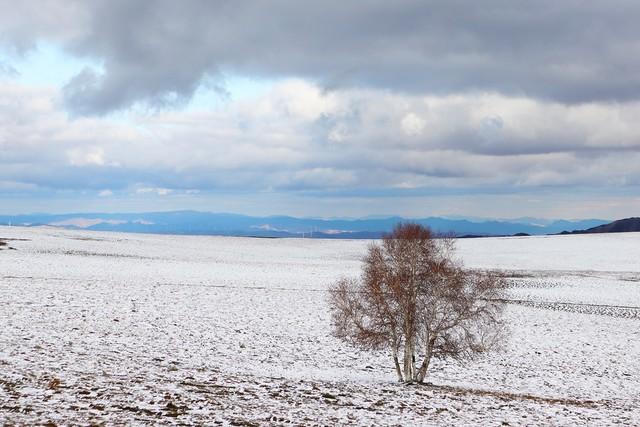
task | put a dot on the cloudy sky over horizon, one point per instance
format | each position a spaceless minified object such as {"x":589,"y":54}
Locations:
{"x":498,"y":108}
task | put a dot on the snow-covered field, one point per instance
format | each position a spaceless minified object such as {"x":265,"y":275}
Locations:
{"x":131,"y":329}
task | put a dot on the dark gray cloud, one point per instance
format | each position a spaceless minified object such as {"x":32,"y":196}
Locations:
{"x":24,"y":23}
{"x":159,"y":51}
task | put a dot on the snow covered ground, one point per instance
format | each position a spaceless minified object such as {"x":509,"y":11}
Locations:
{"x":123,"y":328}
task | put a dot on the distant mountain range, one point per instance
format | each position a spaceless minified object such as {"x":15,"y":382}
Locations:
{"x":619,"y":226}
{"x":206,"y":223}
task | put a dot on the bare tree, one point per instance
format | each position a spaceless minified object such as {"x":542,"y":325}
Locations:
{"x":416,"y":300}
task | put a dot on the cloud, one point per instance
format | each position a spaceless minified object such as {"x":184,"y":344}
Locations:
{"x":158,"y":191}
{"x":160,"y":52}
{"x":7,"y":70}
{"x":285,"y":140}
{"x":86,"y":156}
{"x":412,"y":124}
{"x":22,"y":24}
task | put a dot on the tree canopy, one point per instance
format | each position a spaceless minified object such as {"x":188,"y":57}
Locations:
{"x":415,"y":299}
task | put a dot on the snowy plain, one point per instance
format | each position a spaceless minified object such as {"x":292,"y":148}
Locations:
{"x":112,"y":328}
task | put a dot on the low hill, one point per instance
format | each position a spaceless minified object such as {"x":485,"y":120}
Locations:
{"x":620,"y":226}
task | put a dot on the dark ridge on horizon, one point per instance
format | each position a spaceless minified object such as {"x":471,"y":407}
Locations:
{"x":626,"y":225}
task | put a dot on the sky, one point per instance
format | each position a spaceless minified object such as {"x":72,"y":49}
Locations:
{"x":493,"y":109}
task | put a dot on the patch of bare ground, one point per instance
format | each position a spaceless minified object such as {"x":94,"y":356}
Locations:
{"x":82,"y":253}
{"x":88,"y":239}
{"x":622,"y":311}
{"x":246,"y":400}
{"x":5,"y":245}
{"x":503,"y":395}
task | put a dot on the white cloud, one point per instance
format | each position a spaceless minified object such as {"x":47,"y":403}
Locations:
{"x":154,"y":190}
{"x":90,"y":156}
{"x":412,"y":124}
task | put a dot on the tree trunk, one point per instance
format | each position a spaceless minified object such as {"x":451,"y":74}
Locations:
{"x":397,"y":365}
{"x":422,"y":372}
{"x":409,"y":367}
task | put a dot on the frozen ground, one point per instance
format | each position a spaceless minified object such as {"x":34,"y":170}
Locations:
{"x":132,"y":329}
